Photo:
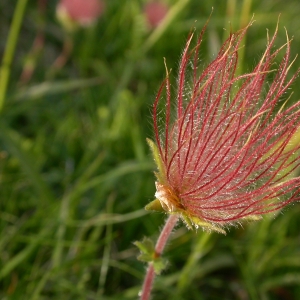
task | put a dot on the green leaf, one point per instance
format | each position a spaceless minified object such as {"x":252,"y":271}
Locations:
{"x":155,"y":205}
{"x":147,"y":249}
{"x":148,"y":255}
{"x":159,"y":265}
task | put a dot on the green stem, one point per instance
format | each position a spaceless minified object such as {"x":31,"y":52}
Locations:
{"x":10,"y":49}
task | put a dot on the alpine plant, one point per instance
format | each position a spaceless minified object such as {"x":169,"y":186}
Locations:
{"x":223,"y":144}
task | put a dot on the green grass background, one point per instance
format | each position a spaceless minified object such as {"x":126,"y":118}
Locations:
{"x":76,"y":171}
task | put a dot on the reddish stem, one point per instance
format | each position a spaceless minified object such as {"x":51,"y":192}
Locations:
{"x":159,"y":248}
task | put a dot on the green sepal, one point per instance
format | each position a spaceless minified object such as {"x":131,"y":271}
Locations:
{"x":155,"y":205}
{"x":148,"y":255}
{"x":186,"y":219}
{"x":160,"y":175}
{"x":252,"y":218}
{"x":192,"y":222}
{"x":205,"y":225}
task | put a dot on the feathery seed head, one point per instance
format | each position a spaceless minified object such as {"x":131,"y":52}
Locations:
{"x":225,"y":153}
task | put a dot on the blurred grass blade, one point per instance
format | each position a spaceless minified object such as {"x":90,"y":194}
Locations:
{"x":13,"y":142}
{"x":105,"y":219}
{"x":123,"y":169}
{"x":60,"y":234}
{"x":23,"y":254}
{"x":166,"y":22}
{"x":10,"y":48}
{"x":52,"y":88}
{"x":283,"y":280}
{"x":200,"y":248}
{"x":106,"y":251}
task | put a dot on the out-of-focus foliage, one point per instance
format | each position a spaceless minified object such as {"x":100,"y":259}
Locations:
{"x":76,"y":171}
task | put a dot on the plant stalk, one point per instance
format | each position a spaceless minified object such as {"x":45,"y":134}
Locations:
{"x":159,"y":248}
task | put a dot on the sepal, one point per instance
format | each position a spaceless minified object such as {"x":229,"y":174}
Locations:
{"x":155,"y":205}
{"x":195,"y":222}
{"x":160,"y":175}
{"x":206,"y":226}
{"x":252,"y":218}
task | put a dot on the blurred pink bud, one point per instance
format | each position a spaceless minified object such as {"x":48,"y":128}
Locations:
{"x":155,"y":12}
{"x":80,"y":12}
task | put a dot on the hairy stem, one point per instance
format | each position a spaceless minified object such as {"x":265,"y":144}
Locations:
{"x":159,"y":248}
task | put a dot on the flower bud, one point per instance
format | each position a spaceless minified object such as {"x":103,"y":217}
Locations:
{"x":155,"y":12}
{"x":73,"y":13}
